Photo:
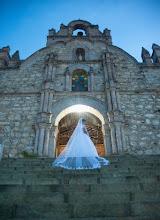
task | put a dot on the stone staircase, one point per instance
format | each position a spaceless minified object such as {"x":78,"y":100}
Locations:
{"x":127,"y":189}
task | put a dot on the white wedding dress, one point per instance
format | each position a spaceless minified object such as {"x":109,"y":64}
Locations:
{"x":80,"y":152}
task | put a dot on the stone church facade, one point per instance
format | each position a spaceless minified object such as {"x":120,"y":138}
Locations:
{"x":38,"y":95}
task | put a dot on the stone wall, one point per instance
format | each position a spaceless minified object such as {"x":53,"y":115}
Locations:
{"x":18,"y":115}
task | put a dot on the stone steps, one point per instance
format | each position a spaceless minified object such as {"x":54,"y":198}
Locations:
{"x":127,"y":189}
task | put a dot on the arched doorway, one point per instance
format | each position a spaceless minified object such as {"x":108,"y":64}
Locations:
{"x":67,"y":123}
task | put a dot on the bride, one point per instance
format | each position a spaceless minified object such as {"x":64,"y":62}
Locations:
{"x":80,"y":152}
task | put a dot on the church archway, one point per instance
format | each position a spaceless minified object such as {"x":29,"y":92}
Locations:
{"x":67,"y":121}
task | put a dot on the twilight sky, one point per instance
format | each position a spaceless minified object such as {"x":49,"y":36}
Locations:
{"x":134,"y":24}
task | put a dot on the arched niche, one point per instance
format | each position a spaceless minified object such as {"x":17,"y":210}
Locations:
{"x":80,"y":54}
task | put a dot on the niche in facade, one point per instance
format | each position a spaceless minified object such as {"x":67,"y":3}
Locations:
{"x":80,"y":54}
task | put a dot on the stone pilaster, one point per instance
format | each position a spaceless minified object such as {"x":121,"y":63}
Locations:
{"x":46,"y":96}
{"x":114,"y":101}
{"x":41,"y":101}
{"x":67,"y":80}
{"x":46,"y":139}
{"x":36,"y":140}
{"x":106,"y":77}
{"x":107,"y":139}
{"x":51,"y":93}
{"x":52,"y":141}
{"x":41,"y":139}
{"x":109,"y":66}
{"x":116,"y":121}
{"x":113,"y":138}
{"x":91,"y":73}
{"x":118,"y":137}
{"x":118,"y":101}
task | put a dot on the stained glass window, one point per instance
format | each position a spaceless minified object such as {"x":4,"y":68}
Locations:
{"x":79,"y":82}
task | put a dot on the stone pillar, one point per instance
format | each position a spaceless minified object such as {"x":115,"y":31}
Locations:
{"x":105,"y":68}
{"x":50,"y":101}
{"x":53,"y":73}
{"x":36,"y":140}
{"x":109,"y":103}
{"x":109,"y":68}
{"x":89,"y":82}
{"x":41,"y":139}
{"x":92,"y":81}
{"x":50,"y":67}
{"x":91,"y":74}
{"x":70,"y":82}
{"x":45,"y":106}
{"x":118,"y":101}
{"x":114,"y":101}
{"x":113,"y":138}
{"x":107,"y":140}
{"x":123,"y":139}
{"x":52,"y":141}
{"x":41,"y":102}
{"x":46,"y":72}
{"x":67,"y":75}
{"x":46,"y":139}
{"x":118,"y":137}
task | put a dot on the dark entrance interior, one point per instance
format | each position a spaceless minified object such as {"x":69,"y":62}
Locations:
{"x":67,"y":125}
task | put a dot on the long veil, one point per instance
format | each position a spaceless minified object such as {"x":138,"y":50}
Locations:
{"x":79,"y":152}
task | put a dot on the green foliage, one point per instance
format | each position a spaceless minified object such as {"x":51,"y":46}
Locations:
{"x":126,"y":153}
{"x":27,"y":155}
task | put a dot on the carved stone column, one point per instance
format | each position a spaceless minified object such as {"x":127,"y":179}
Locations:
{"x":105,"y":68}
{"x":41,"y":139}
{"x":118,"y":101}
{"x":114,"y":101}
{"x":113,"y":138}
{"x":118,"y":138}
{"x":46,"y":140}
{"x":89,"y":81}
{"x":53,"y":73}
{"x":107,"y":140}
{"x":36,"y":140}
{"x":91,"y":73}
{"x":51,"y":93}
{"x":52,"y":141}
{"x":46,"y":96}
{"x":109,"y":103}
{"x":123,"y":139}
{"x":67,"y":79}
{"x":46,"y":72}
{"x":50,"y":68}
{"x":109,"y":67}
{"x":41,"y":102}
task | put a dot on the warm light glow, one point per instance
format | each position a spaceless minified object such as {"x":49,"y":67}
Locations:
{"x":79,"y":108}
